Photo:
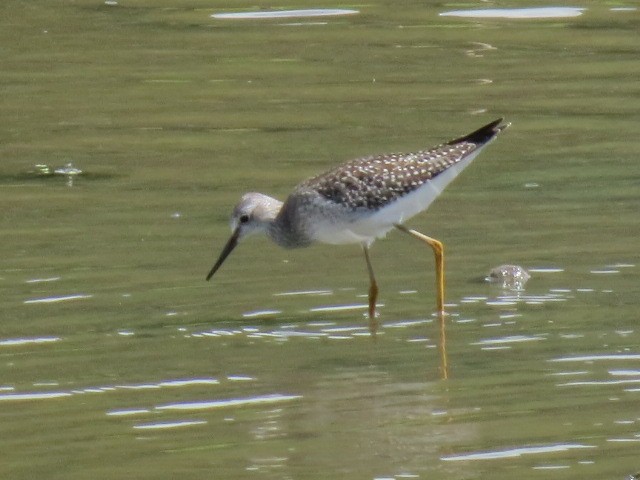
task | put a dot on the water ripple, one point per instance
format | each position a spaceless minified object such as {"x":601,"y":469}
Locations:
{"x":517,"y":13}
{"x":43,"y":280}
{"x":131,"y":411}
{"x":234,"y":402}
{"x":593,"y":358}
{"x":303,"y":292}
{"x":341,"y":308}
{"x":598,"y":382}
{"x":312,"y":12}
{"x":63,"y":298}
{"x":515,"y":452}
{"x":27,"y":341}
{"x":261,"y":313}
{"x":33,"y":396}
{"x":111,"y":388}
{"x":165,"y":425}
{"x":509,"y":339}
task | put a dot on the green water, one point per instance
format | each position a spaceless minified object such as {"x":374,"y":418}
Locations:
{"x":117,"y":359}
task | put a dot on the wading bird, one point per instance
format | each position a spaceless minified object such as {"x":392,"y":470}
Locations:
{"x":359,"y":201}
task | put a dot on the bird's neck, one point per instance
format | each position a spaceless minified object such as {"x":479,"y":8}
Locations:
{"x":285,"y":228}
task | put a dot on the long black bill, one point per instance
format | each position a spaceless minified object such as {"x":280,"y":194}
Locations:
{"x":228,"y":248}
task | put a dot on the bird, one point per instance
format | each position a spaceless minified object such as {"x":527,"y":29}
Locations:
{"x":359,"y":201}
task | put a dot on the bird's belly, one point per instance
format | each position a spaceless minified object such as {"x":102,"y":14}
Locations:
{"x":363,"y":228}
{"x":343,"y":234}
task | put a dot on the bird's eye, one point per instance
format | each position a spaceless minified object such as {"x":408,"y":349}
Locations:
{"x":244,"y":218}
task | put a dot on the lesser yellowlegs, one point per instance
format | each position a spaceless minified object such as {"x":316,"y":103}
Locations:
{"x":359,"y":201}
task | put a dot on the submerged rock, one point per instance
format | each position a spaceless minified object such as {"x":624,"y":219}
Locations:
{"x":511,"y":277}
{"x":40,"y":170}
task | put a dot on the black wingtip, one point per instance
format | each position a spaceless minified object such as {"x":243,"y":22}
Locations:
{"x":483,"y":134}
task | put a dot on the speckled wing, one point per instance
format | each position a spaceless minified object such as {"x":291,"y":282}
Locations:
{"x":363,"y":199}
{"x":375,"y":182}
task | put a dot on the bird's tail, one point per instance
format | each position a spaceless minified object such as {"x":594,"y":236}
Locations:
{"x":483,"y":134}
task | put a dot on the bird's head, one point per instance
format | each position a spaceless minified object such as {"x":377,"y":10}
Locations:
{"x":253,"y":214}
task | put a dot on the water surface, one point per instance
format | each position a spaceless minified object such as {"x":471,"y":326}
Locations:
{"x":117,"y":359}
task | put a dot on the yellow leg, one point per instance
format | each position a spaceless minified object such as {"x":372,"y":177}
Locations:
{"x":438,"y":250}
{"x":444,"y":365}
{"x":373,"y":291}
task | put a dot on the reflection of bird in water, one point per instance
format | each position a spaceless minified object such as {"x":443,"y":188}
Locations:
{"x":359,"y":201}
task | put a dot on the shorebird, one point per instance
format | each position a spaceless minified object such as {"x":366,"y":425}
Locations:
{"x":359,"y":201}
